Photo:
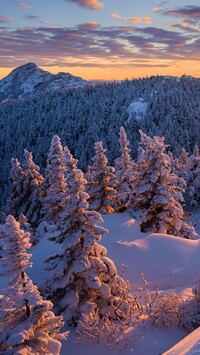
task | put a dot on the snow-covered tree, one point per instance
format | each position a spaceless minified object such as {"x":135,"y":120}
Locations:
{"x":54,"y":186}
{"x":14,"y":201}
{"x":191,"y":309}
{"x":83,"y":278}
{"x":27,"y":324}
{"x":25,"y":195}
{"x":69,"y":161}
{"x":181,"y":165}
{"x":193,"y":178}
{"x":124,"y":171}
{"x":27,"y":228}
{"x":196,"y":290}
{"x":157,"y":191}
{"x":101,"y":183}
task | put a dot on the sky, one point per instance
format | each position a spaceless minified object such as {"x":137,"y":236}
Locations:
{"x":102,"y":39}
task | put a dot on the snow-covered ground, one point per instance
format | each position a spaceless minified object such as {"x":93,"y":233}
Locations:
{"x":167,"y":262}
{"x":137,"y":109}
{"x":190,"y":345}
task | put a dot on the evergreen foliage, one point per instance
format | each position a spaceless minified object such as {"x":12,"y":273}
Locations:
{"x":157,"y":191}
{"x":84,"y":279}
{"x":193,"y":177}
{"x":54,"y":186}
{"x":101,"y":183}
{"x":27,"y":324}
{"x":124,"y":171}
{"x":85,"y":115}
{"x":26,"y":184}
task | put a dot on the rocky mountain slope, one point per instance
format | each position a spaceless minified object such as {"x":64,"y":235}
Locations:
{"x":29,"y":78}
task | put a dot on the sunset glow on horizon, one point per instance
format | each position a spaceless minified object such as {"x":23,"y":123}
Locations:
{"x":101,"y":39}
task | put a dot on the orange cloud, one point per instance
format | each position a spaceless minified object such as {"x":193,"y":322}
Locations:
{"x":146,"y":20}
{"x":118,"y":17}
{"x":88,"y":4}
{"x":184,"y":23}
{"x":135,"y":19}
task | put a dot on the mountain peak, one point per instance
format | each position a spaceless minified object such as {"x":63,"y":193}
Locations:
{"x":29,"y":78}
{"x":27,"y":66}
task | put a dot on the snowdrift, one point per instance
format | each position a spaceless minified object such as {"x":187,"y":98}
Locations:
{"x":167,"y":262}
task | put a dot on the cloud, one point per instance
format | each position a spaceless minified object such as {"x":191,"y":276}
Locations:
{"x":38,"y":19}
{"x":157,"y":9}
{"x":32,"y":17}
{"x":6,"y":19}
{"x":88,"y":26}
{"x":187,"y":11}
{"x":24,"y":5}
{"x":161,"y":4}
{"x":91,"y":44}
{"x":146,"y":20}
{"x":88,"y":4}
{"x":186,"y":26}
{"x":118,"y":17}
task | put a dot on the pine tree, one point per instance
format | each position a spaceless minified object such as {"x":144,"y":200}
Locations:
{"x":124,"y":171}
{"x":25,"y":195}
{"x":101,"y":183}
{"x":54,"y":187}
{"x":157,"y":191}
{"x":84,"y":279}
{"x":27,"y":324}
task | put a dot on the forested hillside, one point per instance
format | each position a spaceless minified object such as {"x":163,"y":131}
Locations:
{"x":85,"y":115}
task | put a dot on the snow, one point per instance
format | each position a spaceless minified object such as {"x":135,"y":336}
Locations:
{"x":32,"y":80}
{"x":190,"y":345}
{"x":29,"y":78}
{"x":167,"y":262}
{"x":137,"y":109}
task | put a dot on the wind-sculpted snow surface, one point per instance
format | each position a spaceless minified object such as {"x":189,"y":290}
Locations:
{"x":137,"y":110}
{"x":165,"y":260}
{"x":168,"y":262}
{"x":190,"y":345}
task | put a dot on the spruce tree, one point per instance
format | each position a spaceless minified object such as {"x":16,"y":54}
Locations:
{"x":101,"y":183}
{"x":14,"y":200}
{"x":25,"y":195}
{"x":124,"y":171}
{"x":157,"y":191}
{"x":27,"y":324}
{"x":181,"y":164}
{"x":83,"y":278}
{"x":193,"y":178}
{"x":54,"y":186}
{"x":27,"y":228}
{"x":32,"y":184}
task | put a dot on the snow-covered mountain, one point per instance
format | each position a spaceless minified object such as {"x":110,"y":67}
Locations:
{"x":29,"y":78}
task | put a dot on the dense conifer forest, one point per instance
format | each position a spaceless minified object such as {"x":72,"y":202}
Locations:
{"x":93,"y":113}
